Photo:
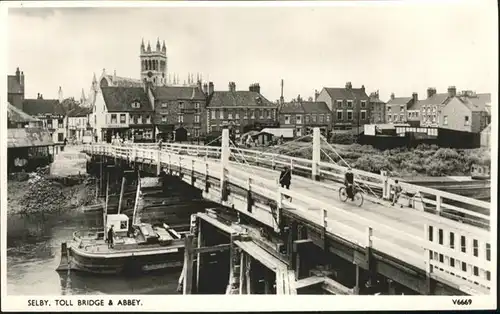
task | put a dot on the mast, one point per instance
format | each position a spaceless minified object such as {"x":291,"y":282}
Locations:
{"x":137,"y":196}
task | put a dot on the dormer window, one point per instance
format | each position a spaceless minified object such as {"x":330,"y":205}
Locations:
{"x":164,"y":105}
{"x":136,"y":105}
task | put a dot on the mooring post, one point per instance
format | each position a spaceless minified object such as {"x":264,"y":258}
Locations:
{"x":224,"y":163}
{"x":188,"y":262}
{"x":158,"y":162}
{"x":316,"y":156}
{"x":199,"y":256}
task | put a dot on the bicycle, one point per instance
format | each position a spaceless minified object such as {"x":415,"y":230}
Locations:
{"x":358,"y":196}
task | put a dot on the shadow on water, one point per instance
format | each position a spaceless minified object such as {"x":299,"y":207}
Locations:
{"x":33,"y":254}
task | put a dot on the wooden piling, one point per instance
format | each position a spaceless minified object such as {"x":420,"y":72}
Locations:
{"x":199,"y":256}
{"x":188,"y":264}
{"x":124,"y":179}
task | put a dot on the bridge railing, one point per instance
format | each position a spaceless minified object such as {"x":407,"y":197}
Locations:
{"x":444,"y":250}
{"x":457,"y":207}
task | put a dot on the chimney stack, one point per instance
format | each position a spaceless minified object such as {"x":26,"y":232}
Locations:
{"x":431,"y":91}
{"x":452,"y":91}
{"x":210,"y":88}
{"x":18,"y":75}
{"x":392,"y":96}
{"x":415,"y":97}
{"x":254,"y":88}
{"x":60,"y":93}
{"x":348,"y":85}
{"x":232,"y":86}
{"x":316,"y":95}
{"x":363,"y":88}
{"x":205,"y":88}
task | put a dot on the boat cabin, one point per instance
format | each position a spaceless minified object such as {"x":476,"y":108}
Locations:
{"x":480,"y":172}
{"x":119,"y":222}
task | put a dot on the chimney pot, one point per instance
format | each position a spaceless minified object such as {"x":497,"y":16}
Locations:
{"x":348,"y":85}
{"x":431,"y":91}
{"x":392,"y":96}
{"x":452,"y":91}
{"x":415,"y":97}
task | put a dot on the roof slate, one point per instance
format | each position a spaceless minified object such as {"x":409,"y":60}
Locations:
{"x":399,"y":101}
{"x":436,"y":99}
{"x":119,"y":81}
{"x":36,"y":107}
{"x":16,"y":115}
{"x":178,"y":92}
{"x":120,"y":99}
{"x":28,"y":137}
{"x":239,"y":99}
{"x":291,"y":107}
{"x":315,"y":107}
{"x":79,"y":112}
{"x":344,"y":93}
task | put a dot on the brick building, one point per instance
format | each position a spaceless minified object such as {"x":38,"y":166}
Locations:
{"x":15,"y":89}
{"x":465,"y":112}
{"x":241,"y":111}
{"x":51,"y":113}
{"x":397,"y":108}
{"x":377,"y":107}
{"x":179,"y":109}
{"x":430,"y":108}
{"x":302,"y":116}
{"x":349,"y":106}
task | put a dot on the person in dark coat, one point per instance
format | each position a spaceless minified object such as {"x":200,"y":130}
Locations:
{"x":349,"y":183}
{"x":286,"y":178}
{"x":111,"y":234}
{"x":163,"y":180}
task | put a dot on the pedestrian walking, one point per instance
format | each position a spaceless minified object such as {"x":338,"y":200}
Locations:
{"x":111,"y":234}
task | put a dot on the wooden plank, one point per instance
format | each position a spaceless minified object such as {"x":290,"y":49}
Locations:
{"x":211,"y":249}
{"x":309,"y":281}
{"x":336,"y":288}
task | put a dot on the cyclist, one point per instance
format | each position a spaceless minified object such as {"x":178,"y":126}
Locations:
{"x":349,"y":183}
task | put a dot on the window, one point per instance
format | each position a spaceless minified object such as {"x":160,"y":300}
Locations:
{"x":298,"y":119}
{"x":164,"y":118}
{"x":363,"y":104}
{"x":214,"y":114}
{"x":230,"y":115}
{"x":180,"y":118}
{"x":434,"y":119}
{"x":60,"y":123}
{"x":389,"y":118}
{"x":401,"y":117}
{"x":261,"y":113}
{"x":307,"y":118}
{"x":467,"y":121}
{"x":272,"y":114}
{"x":363,"y":114}
{"x":197,"y":105}
{"x":60,"y":137}
{"x":287,"y":119}
{"x":197,"y":118}
{"x":313,"y":118}
{"x":349,"y":104}
{"x":445,"y":120}
{"x":253,"y":114}
{"x":349,"y":115}
{"x":123,"y":118}
{"x":136,"y":119}
{"x":237,"y":114}
{"x":221,"y":114}
{"x":388,"y":108}
{"x":148,"y":119}
{"x":402,"y":108}
{"x":328,"y":118}
{"x":113,"y":118}
{"x":339,"y":103}
{"x":320,"y":118}
{"x":339,"y":114}
{"x":196,"y":133}
{"x":164,"y":105}
{"x":136,"y":104}
{"x":181,"y":105}
{"x":269,"y":113}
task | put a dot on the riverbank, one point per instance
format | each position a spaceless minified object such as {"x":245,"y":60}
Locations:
{"x":33,"y":199}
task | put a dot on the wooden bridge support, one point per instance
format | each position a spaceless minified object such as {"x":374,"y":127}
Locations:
{"x":224,"y":161}
{"x":316,"y":154}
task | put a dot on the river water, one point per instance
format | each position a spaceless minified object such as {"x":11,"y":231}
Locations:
{"x":32,"y":261}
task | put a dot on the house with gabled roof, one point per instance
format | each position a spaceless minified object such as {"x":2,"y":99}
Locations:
{"x":303,"y":116}
{"x":51,"y":113}
{"x":78,"y":122}
{"x":377,"y":107}
{"x":467,"y":112}
{"x":15,"y":89}
{"x":16,"y":118}
{"x":397,"y":108}
{"x":430,"y":108}
{"x":241,"y":110}
{"x":350,"y":106}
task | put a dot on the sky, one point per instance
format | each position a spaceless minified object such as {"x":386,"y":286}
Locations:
{"x":393,"y":47}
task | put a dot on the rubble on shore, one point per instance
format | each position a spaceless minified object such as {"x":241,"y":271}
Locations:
{"x":40,"y":192}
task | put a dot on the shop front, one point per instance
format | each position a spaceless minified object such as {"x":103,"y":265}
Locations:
{"x":141,"y":133}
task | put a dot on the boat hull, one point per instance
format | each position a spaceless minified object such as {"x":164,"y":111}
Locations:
{"x":122,"y":263}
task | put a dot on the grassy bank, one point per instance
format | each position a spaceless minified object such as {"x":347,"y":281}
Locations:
{"x":425,"y":160}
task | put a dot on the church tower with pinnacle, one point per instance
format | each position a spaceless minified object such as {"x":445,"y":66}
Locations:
{"x":154,"y":64}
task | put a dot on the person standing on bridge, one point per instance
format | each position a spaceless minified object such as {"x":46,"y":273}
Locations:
{"x":349,"y":183}
{"x":285,"y":179}
{"x":396,"y":192}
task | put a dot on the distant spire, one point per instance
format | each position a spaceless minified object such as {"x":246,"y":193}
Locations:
{"x":142,"y":45}
{"x":149,"y":46}
{"x":164,"y":48}
{"x":94,"y":79}
{"x":158,"y":44}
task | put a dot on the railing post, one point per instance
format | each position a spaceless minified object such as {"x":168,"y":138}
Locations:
{"x":385,"y":184}
{"x":158,"y":163}
{"x":207,"y":184}
{"x":316,"y":155}
{"x":439,"y":201}
{"x":428,"y":258}
{"x":324,"y":223}
{"x":224,"y":162}
{"x":249,"y":195}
